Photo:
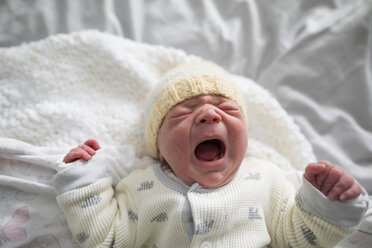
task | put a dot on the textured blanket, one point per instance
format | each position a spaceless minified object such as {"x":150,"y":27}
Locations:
{"x":58,"y":92}
{"x":67,"y":88}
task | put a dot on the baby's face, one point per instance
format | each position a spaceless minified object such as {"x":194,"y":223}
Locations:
{"x":204,"y":140}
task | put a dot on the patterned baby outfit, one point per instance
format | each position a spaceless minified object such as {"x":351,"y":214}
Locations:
{"x":153,"y":208}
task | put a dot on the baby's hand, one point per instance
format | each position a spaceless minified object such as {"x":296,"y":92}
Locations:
{"x":332,"y":181}
{"x":85,"y":151}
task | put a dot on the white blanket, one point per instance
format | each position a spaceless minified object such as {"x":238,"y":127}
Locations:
{"x":67,"y":88}
{"x":58,"y":92}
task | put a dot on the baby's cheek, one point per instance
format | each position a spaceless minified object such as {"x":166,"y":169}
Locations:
{"x":180,"y":129}
{"x":239,"y":131}
{"x":177,"y":138}
{"x":239,"y":143}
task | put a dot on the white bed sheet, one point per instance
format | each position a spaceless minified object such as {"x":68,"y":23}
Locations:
{"x":313,"y":56}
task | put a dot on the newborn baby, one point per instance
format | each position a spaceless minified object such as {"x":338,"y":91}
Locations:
{"x":203,"y":191}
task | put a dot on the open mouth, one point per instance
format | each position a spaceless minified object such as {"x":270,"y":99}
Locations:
{"x":210,"y":150}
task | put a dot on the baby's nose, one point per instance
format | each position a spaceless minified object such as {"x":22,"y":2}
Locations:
{"x":208,"y":115}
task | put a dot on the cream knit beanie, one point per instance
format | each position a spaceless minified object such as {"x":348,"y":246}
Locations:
{"x":181,"y":83}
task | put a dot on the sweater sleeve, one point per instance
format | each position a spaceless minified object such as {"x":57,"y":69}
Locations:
{"x":295,"y":222}
{"x":94,"y":215}
{"x":106,"y":162}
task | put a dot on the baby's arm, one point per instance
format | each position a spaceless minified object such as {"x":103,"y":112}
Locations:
{"x":87,"y":198}
{"x":332,"y":181}
{"x":328,"y":206}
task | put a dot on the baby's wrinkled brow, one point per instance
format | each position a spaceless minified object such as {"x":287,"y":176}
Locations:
{"x":198,"y":99}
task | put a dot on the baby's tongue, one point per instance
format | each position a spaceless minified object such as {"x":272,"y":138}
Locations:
{"x":207,"y":151}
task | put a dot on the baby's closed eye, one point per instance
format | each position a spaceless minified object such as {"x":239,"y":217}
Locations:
{"x":229,"y":107}
{"x":179,"y":111}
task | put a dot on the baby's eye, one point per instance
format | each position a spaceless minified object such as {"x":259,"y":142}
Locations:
{"x":179,"y":111}
{"x":229,"y":107}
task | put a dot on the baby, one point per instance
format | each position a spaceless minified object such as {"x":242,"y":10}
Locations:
{"x":203,"y":192}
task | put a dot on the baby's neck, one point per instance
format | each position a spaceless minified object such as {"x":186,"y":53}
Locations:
{"x":168,"y":171}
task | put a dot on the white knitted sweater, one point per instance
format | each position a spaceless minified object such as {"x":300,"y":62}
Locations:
{"x":258,"y":208}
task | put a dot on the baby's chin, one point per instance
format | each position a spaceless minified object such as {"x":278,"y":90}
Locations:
{"x":216,"y":179}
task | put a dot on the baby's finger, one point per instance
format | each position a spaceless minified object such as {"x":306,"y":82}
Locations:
{"x":321,"y":178}
{"x":353,"y":192}
{"x":88,"y":149}
{"x":312,"y":171}
{"x":325,"y":162}
{"x":334,"y":175}
{"x":75,"y":154}
{"x":343,"y":184}
{"x":93,"y":144}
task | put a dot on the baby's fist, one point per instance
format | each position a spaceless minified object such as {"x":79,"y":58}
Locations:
{"x":332,"y":181}
{"x":85,"y":151}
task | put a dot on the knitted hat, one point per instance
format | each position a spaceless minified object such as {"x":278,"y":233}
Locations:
{"x":181,"y":83}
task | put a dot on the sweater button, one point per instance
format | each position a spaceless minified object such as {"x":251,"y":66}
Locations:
{"x":206,"y":245}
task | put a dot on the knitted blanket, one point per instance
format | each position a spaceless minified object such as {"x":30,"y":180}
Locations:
{"x":58,"y":92}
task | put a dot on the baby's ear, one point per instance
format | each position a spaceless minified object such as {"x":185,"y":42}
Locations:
{"x":161,"y":158}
